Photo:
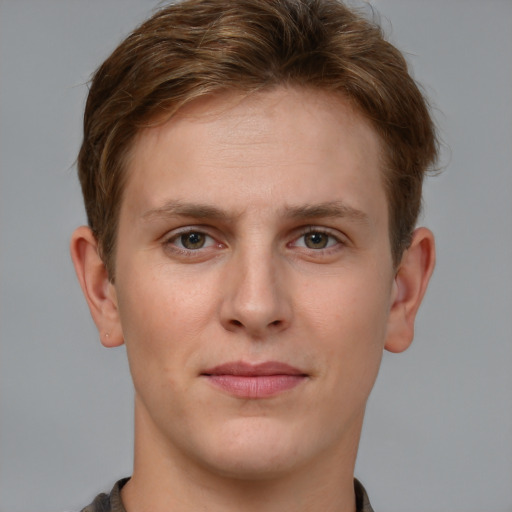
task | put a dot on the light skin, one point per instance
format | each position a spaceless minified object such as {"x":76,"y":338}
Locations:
{"x":253,"y":230}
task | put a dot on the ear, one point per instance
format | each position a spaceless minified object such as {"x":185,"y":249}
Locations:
{"x":409,"y":287}
{"x":98,"y":290}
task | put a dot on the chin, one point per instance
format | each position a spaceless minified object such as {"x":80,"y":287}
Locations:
{"x":256,"y":450}
{"x":254,"y":465}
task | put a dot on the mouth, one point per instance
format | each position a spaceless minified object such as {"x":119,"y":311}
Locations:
{"x":254,"y":381}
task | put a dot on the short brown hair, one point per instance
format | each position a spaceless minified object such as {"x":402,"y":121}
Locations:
{"x":199,"y":47}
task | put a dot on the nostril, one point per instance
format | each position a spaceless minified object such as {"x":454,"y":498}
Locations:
{"x":275,"y":323}
{"x":237,"y":323}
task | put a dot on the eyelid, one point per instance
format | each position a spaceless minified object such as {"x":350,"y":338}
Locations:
{"x":170,"y":238}
{"x":332,"y":233}
{"x":183,"y":230}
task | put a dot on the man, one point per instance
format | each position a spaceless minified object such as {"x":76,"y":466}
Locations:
{"x":252,"y":177}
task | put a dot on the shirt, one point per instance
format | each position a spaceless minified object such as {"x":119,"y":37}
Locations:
{"x":112,"y":502}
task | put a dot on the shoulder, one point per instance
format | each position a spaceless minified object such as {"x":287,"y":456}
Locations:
{"x":108,"y":502}
{"x":362,"y":500}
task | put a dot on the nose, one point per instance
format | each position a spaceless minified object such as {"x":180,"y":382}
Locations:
{"x":256,"y":295}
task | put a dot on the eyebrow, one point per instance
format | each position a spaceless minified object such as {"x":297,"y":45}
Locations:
{"x":330,"y":209}
{"x":180,"y":209}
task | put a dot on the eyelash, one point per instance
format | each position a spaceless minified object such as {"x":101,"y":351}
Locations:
{"x":334,"y":242}
{"x":171,"y":242}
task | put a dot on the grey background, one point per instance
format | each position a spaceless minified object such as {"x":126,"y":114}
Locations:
{"x":438,"y":433}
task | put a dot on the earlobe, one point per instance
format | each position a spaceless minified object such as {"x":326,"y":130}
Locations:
{"x":99,"y":292}
{"x":409,"y":287}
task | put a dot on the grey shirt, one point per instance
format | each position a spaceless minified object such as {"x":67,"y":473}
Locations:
{"x":112,"y":502}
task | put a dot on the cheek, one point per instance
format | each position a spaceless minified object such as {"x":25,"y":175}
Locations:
{"x":163,"y":300}
{"x":349,"y":323}
{"x":161,"y":318}
{"x":349,"y":305}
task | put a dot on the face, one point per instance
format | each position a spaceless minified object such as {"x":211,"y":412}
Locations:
{"x":254,"y":281}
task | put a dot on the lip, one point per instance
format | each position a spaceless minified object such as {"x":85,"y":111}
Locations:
{"x":263,"y":380}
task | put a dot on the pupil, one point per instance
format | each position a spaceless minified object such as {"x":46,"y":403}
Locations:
{"x":192,"y":240}
{"x":316,"y":240}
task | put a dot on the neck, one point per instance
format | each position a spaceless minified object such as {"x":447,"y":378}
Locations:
{"x":165,"y":479}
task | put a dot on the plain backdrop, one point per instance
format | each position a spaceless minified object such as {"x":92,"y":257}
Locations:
{"x":438,"y":432}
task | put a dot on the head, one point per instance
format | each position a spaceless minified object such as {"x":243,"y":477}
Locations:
{"x":200,"y":48}
{"x":252,"y":175}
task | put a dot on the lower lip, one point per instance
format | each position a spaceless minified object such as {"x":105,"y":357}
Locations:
{"x":255,"y":386}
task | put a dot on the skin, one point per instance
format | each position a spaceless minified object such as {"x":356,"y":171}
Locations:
{"x":282,"y":195}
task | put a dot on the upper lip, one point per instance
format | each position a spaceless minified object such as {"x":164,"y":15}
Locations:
{"x":243,"y":369}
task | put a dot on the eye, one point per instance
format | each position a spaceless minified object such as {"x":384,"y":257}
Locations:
{"x":316,"y":240}
{"x":191,"y":240}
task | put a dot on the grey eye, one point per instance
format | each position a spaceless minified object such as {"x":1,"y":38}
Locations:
{"x":193,"y":240}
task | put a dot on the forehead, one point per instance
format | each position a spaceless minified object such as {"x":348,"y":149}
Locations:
{"x":255,"y":117}
{"x":293,"y":145}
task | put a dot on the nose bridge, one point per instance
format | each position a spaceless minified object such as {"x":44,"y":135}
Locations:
{"x":255,"y":295}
